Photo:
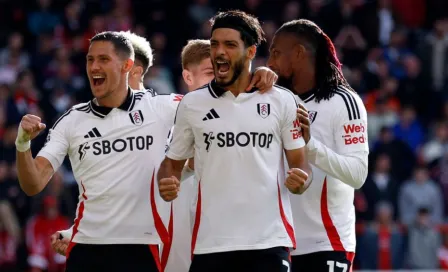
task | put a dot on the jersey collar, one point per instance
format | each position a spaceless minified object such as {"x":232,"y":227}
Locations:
{"x":217,"y":91}
{"x":308,"y":96}
{"x":127,"y":105}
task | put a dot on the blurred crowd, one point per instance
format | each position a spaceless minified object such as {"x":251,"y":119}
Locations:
{"x":395,"y":55}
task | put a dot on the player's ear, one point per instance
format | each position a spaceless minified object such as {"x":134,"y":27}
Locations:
{"x":299,"y":51}
{"x":136,"y":71}
{"x":127,"y":65}
{"x":187,"y":77}
{"x":251,"y":52}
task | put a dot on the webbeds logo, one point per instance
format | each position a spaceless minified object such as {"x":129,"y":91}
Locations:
{"x":354,"y":134}
{"x":296,"y":132}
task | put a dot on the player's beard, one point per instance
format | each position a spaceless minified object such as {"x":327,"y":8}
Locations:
{"x":285,"y":81}
{"x":237,"y":70}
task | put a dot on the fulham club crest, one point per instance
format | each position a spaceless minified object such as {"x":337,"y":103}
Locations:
{"x":264,"y":109}
{"x":136,"y":117}
{"x":312,"y":116}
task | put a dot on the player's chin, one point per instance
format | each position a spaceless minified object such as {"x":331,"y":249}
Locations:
{"x":223,"y":79}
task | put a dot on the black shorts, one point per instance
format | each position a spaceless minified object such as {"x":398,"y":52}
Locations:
{"x":265,"y":260}
{"x":111,"y":258}
{"x":324,"y":261}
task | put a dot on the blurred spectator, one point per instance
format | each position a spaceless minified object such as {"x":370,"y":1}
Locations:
{"x":200,"y":11}
{"x":402,"y":157}
{"x":434,"y":149}
{"x":443,"y":253}
{"x":39,"y":228}
{"x":419,"y":192}
{"x":409,"y":128}
{"x":382,"y":116}
{"x":433,"y":52}
{"x":15,"y":49}
{"x":386,"y":95}
{"x":424,"y":242}
{"x":382,"y":244}
{"x":396,"y":51}
{"x":43,"y":19}
{"x":9,"y":237}
{"x":380,"y":186}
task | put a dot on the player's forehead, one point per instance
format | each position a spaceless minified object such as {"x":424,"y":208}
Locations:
{"x":280,"y":41}
{"x":205,"y":64}
{"x":101,"y":48}
{"x":226,"y":35}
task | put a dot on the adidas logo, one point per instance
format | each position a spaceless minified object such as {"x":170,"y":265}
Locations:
{"x":211,"y":115}
{"x":93,"y":133}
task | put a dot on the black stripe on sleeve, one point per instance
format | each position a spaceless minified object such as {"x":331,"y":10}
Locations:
{"x":353,"y":103}
{"x":349,"y":93}
{"x":350,"y":101}
{"x":62,"y":117}
{"x":346,"y":105}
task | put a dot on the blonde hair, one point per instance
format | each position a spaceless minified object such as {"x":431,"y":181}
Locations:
{"x":194,"y":52}
{"x":142,"y":49}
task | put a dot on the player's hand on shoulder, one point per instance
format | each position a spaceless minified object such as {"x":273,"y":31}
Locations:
{"x":169,"y":188}
{"x":59,"y":244}
{"x":263,"y":79}
{"x":30,"y":126}
{"x":296,"y":180}
{"x":302,"y":116}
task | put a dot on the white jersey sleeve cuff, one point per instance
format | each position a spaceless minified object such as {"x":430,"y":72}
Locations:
{"x":176,"y":157}
{"x":295,"y":144}
{"x":66,"y":233}
{"x":53,"y":161}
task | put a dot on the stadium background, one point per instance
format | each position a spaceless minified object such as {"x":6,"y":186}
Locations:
{"x":395,"y":55}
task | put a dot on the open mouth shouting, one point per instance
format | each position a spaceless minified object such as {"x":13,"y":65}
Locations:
{"x":98,"y":80}
{"x":223,"y":67}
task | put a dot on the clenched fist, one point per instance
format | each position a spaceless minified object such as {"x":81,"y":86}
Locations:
{"x":59,"y":244}
{"x":29,"y":128}
{"x":296,"y":181}
{"x":169,"y":188}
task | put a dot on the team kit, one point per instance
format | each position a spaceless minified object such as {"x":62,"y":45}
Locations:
{"x":228,"y":177}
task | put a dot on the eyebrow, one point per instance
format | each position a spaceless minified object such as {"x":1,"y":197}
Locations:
{"x":102,"y":55}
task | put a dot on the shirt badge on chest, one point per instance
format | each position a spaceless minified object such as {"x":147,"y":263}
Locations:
{"x":136,"y":117}
{"x":264,"y":109}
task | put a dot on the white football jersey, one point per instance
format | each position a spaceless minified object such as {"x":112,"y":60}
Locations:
{"x":115,"y":155}
{"x":238,"y":145}
{"x":324,"y":216}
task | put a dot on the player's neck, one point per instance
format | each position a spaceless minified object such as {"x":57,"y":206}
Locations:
{"x":115,"y":99}
{"x":240,"y":85}
{"x":136,"y":85}
{"x":304,"y":81}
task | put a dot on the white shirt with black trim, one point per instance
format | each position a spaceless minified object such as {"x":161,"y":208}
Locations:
{"x":115,"y":154}
{"x":238,"y":145}
{"x":324,"y":216}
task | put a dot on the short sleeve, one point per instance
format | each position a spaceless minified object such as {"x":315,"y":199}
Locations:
{"x":57,"y":143}
{"x":167,"y":106}
{"x":291,"y":131}
{"x":182,"y":142}
{"x":350,"y":125}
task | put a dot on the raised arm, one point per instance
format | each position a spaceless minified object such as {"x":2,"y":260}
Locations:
{"x":33,"y":174}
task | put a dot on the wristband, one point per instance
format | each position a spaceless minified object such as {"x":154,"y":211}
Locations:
{"x":23,"y":142}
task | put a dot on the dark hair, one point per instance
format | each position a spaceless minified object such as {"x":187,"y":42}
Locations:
{"x":328,"y":68}
{"x":123,"y":46}
{"x":248,"y":26}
